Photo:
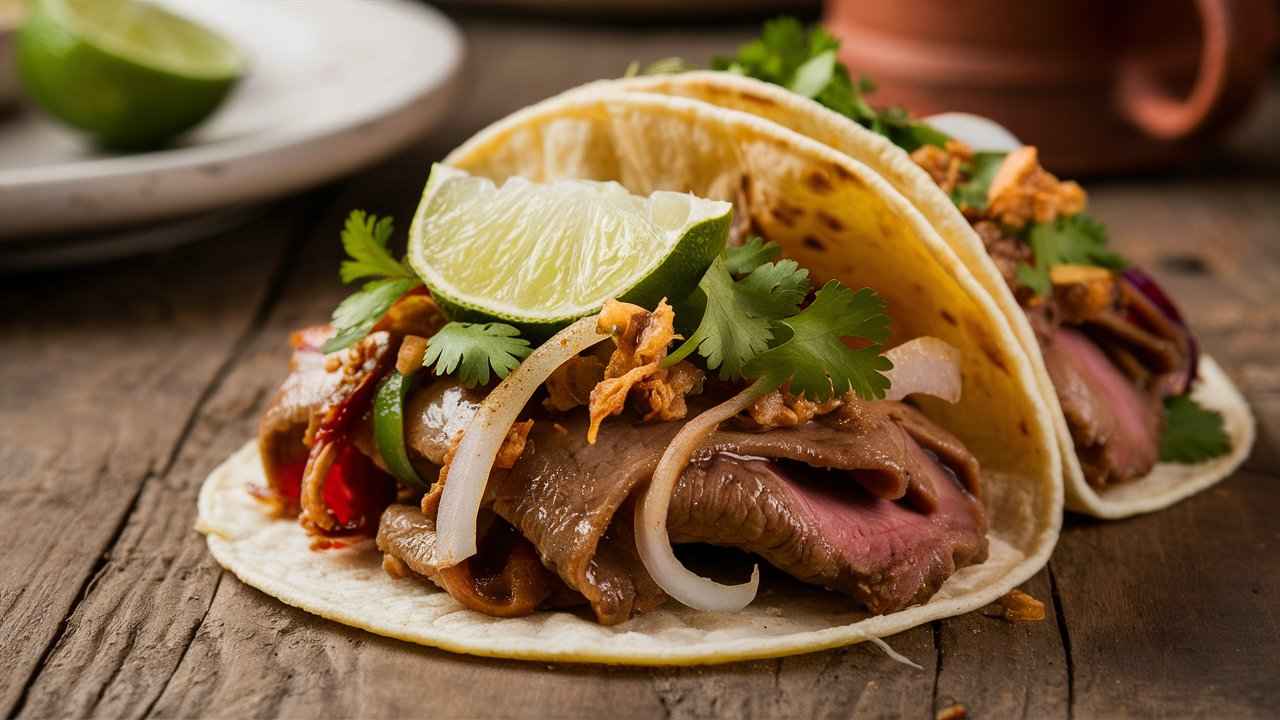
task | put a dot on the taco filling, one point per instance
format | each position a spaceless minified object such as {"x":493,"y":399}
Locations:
{"x":761,"y":420}
{"x":1117,"y":351}
{"x":1115,"y":347}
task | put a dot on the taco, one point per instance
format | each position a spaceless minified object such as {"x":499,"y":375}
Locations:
{"x":1144,"y":419}
{"x":883,"y":455}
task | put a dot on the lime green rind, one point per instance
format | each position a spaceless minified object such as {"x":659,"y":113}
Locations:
{"x":120,"y":103}
{"x":673,"y":276}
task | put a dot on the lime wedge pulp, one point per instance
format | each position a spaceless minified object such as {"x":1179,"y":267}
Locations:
{"x":128,"y":72}
{"x":542,"y":255}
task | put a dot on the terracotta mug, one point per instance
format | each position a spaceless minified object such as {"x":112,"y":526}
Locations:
{"x":1100,"y":86}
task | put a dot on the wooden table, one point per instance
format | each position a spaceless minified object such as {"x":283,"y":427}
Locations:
{"x":122,"y":385}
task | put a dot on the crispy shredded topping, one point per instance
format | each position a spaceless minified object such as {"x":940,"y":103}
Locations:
{"x":1083,"y":292}
{"x":641,"y":338}
{"x":782,"y":409}
{"x":944,"y":164}
{"x":1021,"y":607}
{"x":1023,"y":192}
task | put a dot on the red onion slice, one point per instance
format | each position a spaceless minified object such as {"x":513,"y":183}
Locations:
{"x":474,"y":458}
{"x":926,"y":366}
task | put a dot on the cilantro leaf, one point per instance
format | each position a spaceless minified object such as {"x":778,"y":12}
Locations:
{"x":750,"y":255}
{"x":732,"y":330}
{"x":471,"y":349}
{"x":815,"y":359}
{"x":1074,"y":240}
{"x":972,"y":193}
{"x":806,"y":62}
{"x":775,"y":290}
{"x":356,"y":316}
{"x":1191,"y":434}
{"x":365,"y":239}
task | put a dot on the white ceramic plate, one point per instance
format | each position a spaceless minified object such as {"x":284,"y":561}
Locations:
{"x":333,"y":85}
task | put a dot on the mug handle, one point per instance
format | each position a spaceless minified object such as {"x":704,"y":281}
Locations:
{"x":1237,"y":39}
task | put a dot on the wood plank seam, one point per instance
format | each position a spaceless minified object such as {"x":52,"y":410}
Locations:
{"x":1060,"y":616}
{"x":279,"y":277}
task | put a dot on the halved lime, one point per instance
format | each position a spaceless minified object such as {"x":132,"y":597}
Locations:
{"x":541,"y":255}
{"x":131,"y":74}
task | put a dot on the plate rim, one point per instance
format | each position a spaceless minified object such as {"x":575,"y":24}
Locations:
{"x":403,"y":120}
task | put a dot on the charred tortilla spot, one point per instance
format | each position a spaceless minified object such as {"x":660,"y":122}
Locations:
{"x":1022,"y":428}
{"x":813,"y":242}
{"x":951,"y":319}
{"x":819,"y":183}
{"x":993,"y":353}
{"x":830,"y":221}
{"x":840,"y":172}
{"x":786,"y":214}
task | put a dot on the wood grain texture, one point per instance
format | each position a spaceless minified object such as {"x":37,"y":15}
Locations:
{"x":124,"y":385}
{"x":102,"y":371}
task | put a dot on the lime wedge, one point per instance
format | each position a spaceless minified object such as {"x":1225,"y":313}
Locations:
{"x":545,"y":254}
{"x":131,"y":74}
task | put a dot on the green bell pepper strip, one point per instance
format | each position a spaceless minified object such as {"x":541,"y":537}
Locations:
{"x":388,"y":428}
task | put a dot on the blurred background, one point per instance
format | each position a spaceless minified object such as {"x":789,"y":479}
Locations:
{"x":128,"y":129}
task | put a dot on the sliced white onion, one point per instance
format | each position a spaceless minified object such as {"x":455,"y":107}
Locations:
{"x":926,"y":366}
{"x":474,"y":458}
{"x":976,"y":131}
{"x":652,"y":540}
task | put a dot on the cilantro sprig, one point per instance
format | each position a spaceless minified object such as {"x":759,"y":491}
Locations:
{"x":753,"y":327}
{"x":1192,"y":433}
{"x":742,"y":259}
{"x":472,"y":349}
{"x":1074,"y":240}
{"x":981,"y":170}
{"x":815,"y":359}
{"x":365,"y":238}
{"x":806,"y":62}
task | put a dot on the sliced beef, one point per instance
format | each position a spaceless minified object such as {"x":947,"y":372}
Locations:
{"x":822,"y":529}
{"x":1152,"y":350}
{"x":572,"y":501}
{"x":504,"y":580}
{"x":1115,"y":426}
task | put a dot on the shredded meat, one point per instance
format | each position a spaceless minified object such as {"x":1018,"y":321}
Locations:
{"x":570,"y":384}
{"x":1008,"y":251}
{"x":1023,"y":192}
{"x":664,"y":392}
{"x":782,"y":409}
{"x":641,"y":338}
{"x":944,"y":164}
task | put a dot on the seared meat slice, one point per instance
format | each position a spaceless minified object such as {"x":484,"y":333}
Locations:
{"x":570,"y":499}
{"x":1115,"y":426}
{"x":504,"y":580}
{"x":820,"y":528}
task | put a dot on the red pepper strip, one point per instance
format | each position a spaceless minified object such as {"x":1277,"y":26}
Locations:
{"x":356,"y":491}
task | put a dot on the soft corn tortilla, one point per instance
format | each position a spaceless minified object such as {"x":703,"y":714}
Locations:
{"x":1168,"y":482}
{"x":835,"y":216}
